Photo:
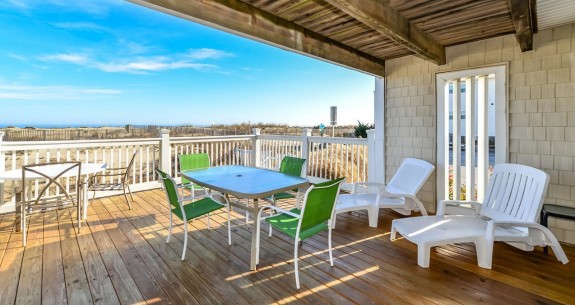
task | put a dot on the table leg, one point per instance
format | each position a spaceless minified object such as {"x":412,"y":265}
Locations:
{"x":255,"y":229}
{"x":18,"y":198}
{"x":85,"y":196}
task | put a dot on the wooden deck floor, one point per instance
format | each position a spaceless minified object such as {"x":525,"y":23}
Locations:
{"x":120,"y":257}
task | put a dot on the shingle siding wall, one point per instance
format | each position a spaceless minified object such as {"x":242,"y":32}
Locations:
{"x":541,"y":110}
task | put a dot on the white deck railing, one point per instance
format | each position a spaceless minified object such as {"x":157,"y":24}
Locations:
{"x":328,"y":158}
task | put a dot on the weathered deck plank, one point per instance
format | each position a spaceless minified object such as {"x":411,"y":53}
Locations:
{"x":120,"y":257}
{"x":53,"y":282}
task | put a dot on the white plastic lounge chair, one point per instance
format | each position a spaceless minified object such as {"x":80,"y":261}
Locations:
{"x":509,"y":213}
{"x":399,"y":194}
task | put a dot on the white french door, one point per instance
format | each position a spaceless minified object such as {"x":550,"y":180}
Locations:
{"x":471,"y":130}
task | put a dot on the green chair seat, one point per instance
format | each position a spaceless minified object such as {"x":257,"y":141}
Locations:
{"x":198,"y":208}
{"x":288,"y":225}
{"x":280,"y":196}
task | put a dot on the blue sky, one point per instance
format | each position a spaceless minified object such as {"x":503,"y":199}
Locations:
{"x":111,"y":62}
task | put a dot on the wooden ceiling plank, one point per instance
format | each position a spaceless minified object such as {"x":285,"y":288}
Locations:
{"x":246,"y":20}
{"x":382,"y":17}
{"x":523,"y":20}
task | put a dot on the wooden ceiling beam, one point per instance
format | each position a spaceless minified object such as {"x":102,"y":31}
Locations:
{"x":382,"y":17}
{"x":242,"y":19}
{"x":525,"y":23}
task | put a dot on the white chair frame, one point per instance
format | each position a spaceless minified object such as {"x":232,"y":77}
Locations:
{"x":399,"y":194}
{"x":513,"y":201}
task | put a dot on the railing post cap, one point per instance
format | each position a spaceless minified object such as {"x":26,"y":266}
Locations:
{"x":256,"y":131}
{"x":164,"y":131}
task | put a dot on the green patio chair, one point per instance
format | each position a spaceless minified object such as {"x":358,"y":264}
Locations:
{"x":294,"y":167}
{"x":189,"y":162}
{"x":197,"y":206}
{"x":315,"y":215}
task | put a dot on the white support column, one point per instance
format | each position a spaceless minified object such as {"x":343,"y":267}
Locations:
{"x":257,"y":148}
{"x":371,"y":155}
{"x":470,"y":104}
{"x":165,"y":152}
{"x":456,"y":139}
{"x":376,"y":157}
{"x":482,"y":136}
{"x":305,"y":134}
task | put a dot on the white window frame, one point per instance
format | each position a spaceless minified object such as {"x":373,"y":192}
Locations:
{"x":501,"y":121}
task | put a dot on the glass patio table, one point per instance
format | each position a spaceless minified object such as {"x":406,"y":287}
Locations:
{"x":245,"y":182}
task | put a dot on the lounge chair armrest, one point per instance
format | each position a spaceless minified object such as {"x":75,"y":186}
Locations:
{"x":378,"y":185}
{"x":492,"y":224}
{"x":444,"y":203}
{"x":391,"y":195}
{"x":415,"y":200}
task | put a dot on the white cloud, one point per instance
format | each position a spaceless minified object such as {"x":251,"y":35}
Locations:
{"x":143,"y":64}
{"x":18,"y":57}
{"x":95,"y":7}
{"x":30,"y":92}
{"x":207,"y":54}
{"x":24,"y":4}
{"x":78,"y":59}
{"x":130,"y":47}
{"x":80,"y":26}
{"x":150,"y":65}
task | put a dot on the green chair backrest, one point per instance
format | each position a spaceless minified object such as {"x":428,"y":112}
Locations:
{"x":292,"y":166}
{"x":193,"y":161}
{"x":319,"y":204}
{"x":170,"y":188}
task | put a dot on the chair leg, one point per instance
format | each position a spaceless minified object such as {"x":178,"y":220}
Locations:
{"x":555,"y":245}
{"x":393,"y":232}
{"x":93,"y":196}
{"x":185,"y":239}
{"x":423,"y":253}
{"x":169,"y":229}
{"x":130,"y":192}
{"x":484,"y":249}
{"x":126,"y":197}
{"x":373,"y":215}
{"x":229,"y":227}
{"x":79,"y":212}
{"x":257,"y":243}
{"x":295,"y":256}
{"x":329,"y":246}
{"x":270,"y":231}
{"x":23,"y":224}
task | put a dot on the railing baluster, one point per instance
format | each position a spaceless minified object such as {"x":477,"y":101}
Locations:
{"x":327,"y":157}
